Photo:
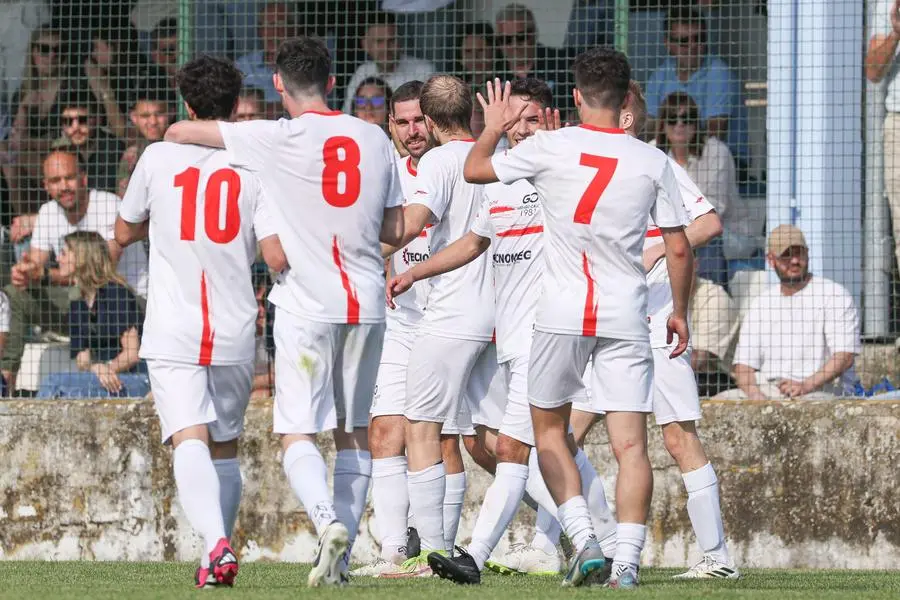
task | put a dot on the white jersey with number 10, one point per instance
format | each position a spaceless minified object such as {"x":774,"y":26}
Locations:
{"x":205,"y":218}
{"x":327,"y":178}
{"x":598,"y":186}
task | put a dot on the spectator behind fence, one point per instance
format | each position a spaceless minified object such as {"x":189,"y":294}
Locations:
{"x":516,"y":36}
{"x":5,"y":318}
{"x":251,"y":105}
{"x":371,"y":101}
{"x":264,"y":362}
{"x":18,"y":20}
{"x":386,"y":61}
{"x":164,"y":47}
{"x":882,"y":64}
{"x":798,"y":336}
{"x":97,"y":149}
{"x":151,"y":114}
{"x":591,"y":23}
{"x":710,"y":165}
{"x":714,"y":326}
{"x":428,"y":27}
{"x":39,"y":292}
{"x":276,"y":24}
{"x":477,"y":57}
{"x":689,"y":68}
{"x":104,"y":326}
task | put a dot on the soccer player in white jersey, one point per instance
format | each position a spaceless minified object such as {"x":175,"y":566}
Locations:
{"x":204,"y":218}
{"x":676,"y":404}
{"x":598,"y":187}
{"x":451,"y":347}
{"x":510,"y":221}
{"x":331,"y":186}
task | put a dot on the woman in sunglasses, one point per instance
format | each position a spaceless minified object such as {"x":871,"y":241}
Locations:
{"x":710,"y":164}
{"x":372,"y":100}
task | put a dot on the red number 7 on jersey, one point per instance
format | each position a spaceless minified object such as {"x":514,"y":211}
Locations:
{"x":606,"y":167}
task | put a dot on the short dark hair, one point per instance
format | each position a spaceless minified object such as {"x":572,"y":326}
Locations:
{"x":447,"y":100}
{"x":670,"y":107}
{"x":411,"y":90}
{"x":686,"y":15}
{"x":153,"y":89}
{"x":210,"y":85}
{"x":164,"y":29}
{"x":253,"y":93}
{"x":532,"y":89}
{"x":602,"y":75}
{"x":78,"y":96}
{"x":304,"y":64}
{"x":380,"y":17}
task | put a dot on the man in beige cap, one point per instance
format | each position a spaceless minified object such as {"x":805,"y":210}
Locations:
{"x":799,"y":338}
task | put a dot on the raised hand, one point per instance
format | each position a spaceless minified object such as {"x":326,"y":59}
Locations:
{"x":498,"y":116}
{"x":549,"y":119}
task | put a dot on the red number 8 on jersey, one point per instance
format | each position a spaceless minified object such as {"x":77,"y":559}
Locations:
{"x":341,"y":157}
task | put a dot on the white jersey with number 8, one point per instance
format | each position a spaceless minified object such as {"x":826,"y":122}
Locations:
{"x":598,"y":187}
{"x":327,"y":178}
{"x":205,"y":218}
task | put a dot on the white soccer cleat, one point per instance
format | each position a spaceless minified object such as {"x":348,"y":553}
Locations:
{"x":329,"y":565}
{"x":379,"y":568}
{"x":710,"y":568}
{"x":525,"y":559}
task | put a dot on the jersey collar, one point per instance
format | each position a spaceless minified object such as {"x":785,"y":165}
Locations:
{"x":589,"y":127}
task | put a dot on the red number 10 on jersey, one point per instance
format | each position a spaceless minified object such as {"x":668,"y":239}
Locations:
{"x":223,"y":180}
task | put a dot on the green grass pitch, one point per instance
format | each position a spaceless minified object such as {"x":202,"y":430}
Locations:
{"x":86,"y":581}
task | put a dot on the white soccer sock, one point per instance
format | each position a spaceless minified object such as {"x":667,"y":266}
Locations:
{"x":575,"y":519}
{"x":352,"y":471}
{"x":308,"y":477}
{"x":501,"y":501}
{"x":546,"y":532}
{"x":390,"y":500}
{"x":592,"y":487}
{"x":704,"y":511}
{"x":536,"y":487}
{"x":426,"y":499}
{"x":198,"y":492}
{"x":230,"y":487}
{"x":630,"y":541}
{"x":454,"y":496}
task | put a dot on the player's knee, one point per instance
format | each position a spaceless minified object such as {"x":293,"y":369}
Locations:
{"x":511,"y":450}
{"x":629,"y":448}
{"x":386,"y":437}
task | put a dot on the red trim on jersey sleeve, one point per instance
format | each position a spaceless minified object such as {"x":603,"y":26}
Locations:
{"x":322,"y":113}
{"x":410,"y":168}
{"x":590,"y":127}
{"x":589,"y":323}
{"x":352,"y":299}
{"x":521,"y":231}
{"x":654,"y":232}
{"x":467,"y":140}
{"x":207,"y":337}
{"x":500,"y":209}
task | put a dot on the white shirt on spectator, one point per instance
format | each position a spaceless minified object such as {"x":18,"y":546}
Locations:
{"x":5,"y":314}
{"x":52,"y":226}
{"x":881,"y":20}
{"x":408,"y":69}
{"x":792,"y":337}
{"x":412,"y":6}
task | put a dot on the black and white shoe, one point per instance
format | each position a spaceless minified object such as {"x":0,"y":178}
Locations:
{"x":328,"y":568}
{"x":459,"y":568}
{"x":710,"y":568}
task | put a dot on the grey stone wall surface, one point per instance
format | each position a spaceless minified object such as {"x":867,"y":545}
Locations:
{"x":809,"y":484}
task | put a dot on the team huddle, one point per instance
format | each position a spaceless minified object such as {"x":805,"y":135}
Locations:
{"x":530,"y":289}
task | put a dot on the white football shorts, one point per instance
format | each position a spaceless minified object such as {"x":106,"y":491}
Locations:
{"x":486,"y":391}
{"x":324,"y":373}
{"x":622,"y":376}
{"x":516,"y":420}
{"x":439,"y":374}
{"x":186,"y":395}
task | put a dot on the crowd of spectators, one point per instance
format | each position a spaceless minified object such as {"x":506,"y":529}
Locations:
{"x":88,"y":103}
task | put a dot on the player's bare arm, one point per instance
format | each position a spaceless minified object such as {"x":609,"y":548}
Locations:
{"x":498,"y":119}
{"x":456,"y":255}
{"x":128,"y":233}
{"x":202,"y":133}
{"x":392,"y":226}
{"x":699,"y":233}
{"x":273,"y":253}
{"x":415,"y":218}
{"x":680,"y":263}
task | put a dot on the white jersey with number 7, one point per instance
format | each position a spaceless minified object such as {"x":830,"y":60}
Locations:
{"x":598,"y":188}
{"x":327,"y":178}
{"x":205,"y":218}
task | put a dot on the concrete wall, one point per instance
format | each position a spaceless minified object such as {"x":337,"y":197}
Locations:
{"x":803,"y":485}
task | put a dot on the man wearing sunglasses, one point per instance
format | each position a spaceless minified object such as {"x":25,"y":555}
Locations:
{"x":517,"y":38}
{"x":98,"y":150}
{"x":692,"y":69}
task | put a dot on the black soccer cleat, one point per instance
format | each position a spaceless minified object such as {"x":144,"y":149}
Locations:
{"x":459,"y":568}
{"x":413,"y":543}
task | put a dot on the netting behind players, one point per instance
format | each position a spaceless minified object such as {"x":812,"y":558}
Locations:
{"x":764,"y":103}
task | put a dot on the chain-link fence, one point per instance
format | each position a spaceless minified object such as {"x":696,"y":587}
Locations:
{"x":763,"y":103}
